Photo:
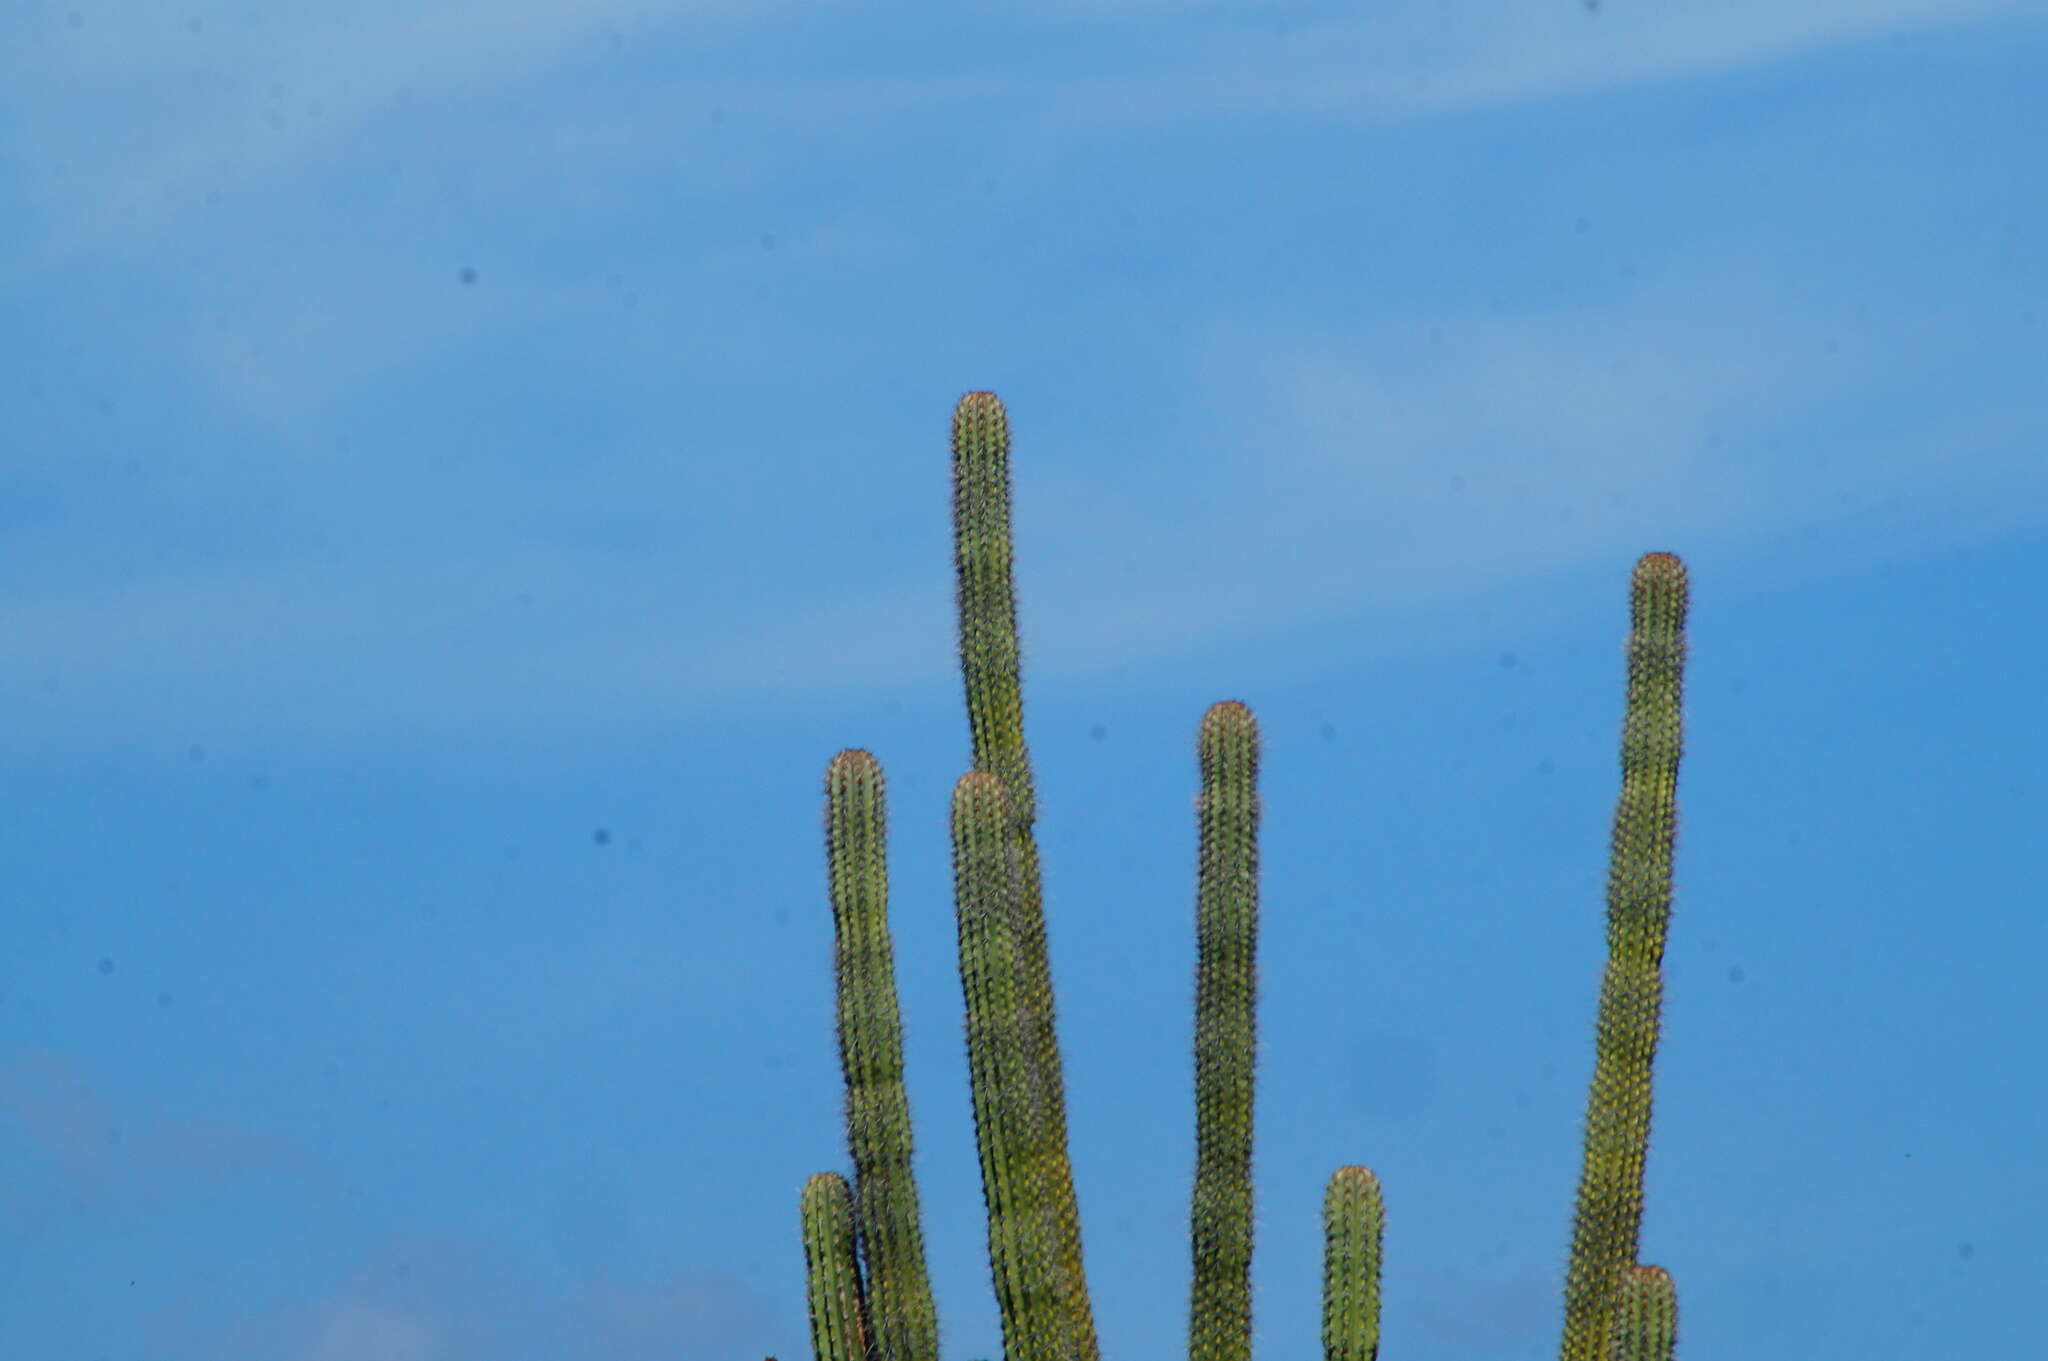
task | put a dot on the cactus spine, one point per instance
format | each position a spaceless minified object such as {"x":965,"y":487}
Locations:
{"x":869,"y":1294}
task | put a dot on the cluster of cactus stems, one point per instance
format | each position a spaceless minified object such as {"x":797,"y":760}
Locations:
{"x":869,"y":1294}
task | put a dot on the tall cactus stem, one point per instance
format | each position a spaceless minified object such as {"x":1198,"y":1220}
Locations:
{"x":991,"y":670}
{"x":1609,"y":1212}
{"x":902,"y":1317}
{"x":1021,"y":1164}
{"x":1226,"y":1001}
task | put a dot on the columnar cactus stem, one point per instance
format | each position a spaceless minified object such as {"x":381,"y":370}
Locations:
{"x":839,"y":1318}
{"x":1022,"y":1165}
{"x":991,"y":669}
{"x":902,"y":1321}
{"x":1354,"y":1219}
{"x":1610,"y":1200}
{"x":1226,"y":1001}
{"x":1645,"y":1316}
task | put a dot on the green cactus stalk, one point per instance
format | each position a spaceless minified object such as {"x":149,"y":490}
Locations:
{"x":839,"y":1318}
{"x":1354,"y":1216}
{"x":1610,"y":1200}
{"x":900,"y":1319}
{"x":869,"y":1293}
{"x":1645,"y":1316}
{"x":1226,"y":996}
{"x":991,"y":669}
{"x":1023,"y":1165}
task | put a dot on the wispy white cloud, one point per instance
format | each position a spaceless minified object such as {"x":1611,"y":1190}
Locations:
{"x":1363,"y":471}
{"x":422,"y":1298}
{"x":108,"y":1157}
{"x":234,"y":94}
{"x":484,"y":640}
{"x":1349,"y":468}
{"x":1430,"y":58}
{"x":240,"y":122}
{"x":408,"y":1298}
{"x":211,"y":107}
{"x":1372,"y":468}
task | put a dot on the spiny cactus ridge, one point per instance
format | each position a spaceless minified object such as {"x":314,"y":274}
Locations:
{"x":870,"y":1297}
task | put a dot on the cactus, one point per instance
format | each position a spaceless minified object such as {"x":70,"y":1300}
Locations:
{"x":1610,"y":1201}
{"x":869,"y":1296}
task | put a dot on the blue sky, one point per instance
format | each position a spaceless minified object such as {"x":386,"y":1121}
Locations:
{"x":470,"y":466}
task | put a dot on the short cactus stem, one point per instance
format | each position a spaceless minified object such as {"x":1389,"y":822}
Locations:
{"x":1354,"y":1219}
